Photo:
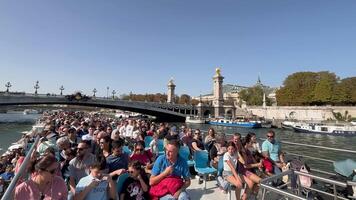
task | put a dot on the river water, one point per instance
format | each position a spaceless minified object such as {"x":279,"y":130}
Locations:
{"x":11,"y":126}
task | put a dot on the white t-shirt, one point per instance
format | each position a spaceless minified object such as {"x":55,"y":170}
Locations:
{"x":129,"y":130}
{"x":233,"y":160}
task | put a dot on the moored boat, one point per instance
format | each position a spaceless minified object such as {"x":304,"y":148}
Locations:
{"x":194,"y":120}
{"x":322,"y":128}
{"x":232,"y":123}
{"x":288,"y":124}
{"x":30,"y":111}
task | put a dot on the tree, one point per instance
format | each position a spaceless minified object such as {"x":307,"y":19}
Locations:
{"x":184,"y":99}
{"x":253,"y":96}
{"x":324,"y":88}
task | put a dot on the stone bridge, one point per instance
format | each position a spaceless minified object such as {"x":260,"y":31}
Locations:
{"x":162,"y":111}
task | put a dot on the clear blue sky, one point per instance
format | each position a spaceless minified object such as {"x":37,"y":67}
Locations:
{"x":138,"y":45}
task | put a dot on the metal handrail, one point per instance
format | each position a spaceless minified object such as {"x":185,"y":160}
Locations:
{"x":338,"y":183}
{"x":265,"y":186}
{"x":316,"y":146}
{"x":9,"y":191}
{"x":312,"y":157}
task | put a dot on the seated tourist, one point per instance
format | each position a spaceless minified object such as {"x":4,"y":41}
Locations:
{"x":144,"y":157}
{"x":117,"y":162}
{"x":95,"y":186}
{"x":230,"y":165}
{"x":136,"y":186}
{"x":44,"y":184}
{"x":170,"y":170}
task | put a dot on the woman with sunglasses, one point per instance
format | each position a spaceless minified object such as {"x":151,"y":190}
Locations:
{"x":144,"y":157}
{"x":136,"y":186}
{"x":44,"y":184}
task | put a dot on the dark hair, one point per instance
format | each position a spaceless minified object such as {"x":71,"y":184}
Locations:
{"x":237,"y":134}
{"x":72,"y":130}
{"x":136,"y":165}
{"x":175,"y":143}
{"x":44,"y":163}
{"x":117,"y":144}
{"x":231,"y":144}
{"x":246,"y":140}
{"x":271,"y":131}
{"x":141,"y":143}
{"x":98,"y":165}
{"x":50,"y":150}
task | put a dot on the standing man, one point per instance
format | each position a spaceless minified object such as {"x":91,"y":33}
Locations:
{"x":168,"y":165}
{"x":271,"y":149}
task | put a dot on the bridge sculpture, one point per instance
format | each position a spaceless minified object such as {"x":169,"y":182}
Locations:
{"x":162,"y":111}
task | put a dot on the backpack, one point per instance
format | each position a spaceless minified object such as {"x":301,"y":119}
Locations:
{"x":304,"y":180}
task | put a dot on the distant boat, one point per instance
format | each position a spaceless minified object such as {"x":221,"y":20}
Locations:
{"x":30,"y":111}
{"x":232,"y":123}
{"x":288,"y":124}
{"x":323,"y":128}
{"x":194,"y":120}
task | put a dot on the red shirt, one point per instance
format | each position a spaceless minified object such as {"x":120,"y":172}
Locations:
{"x":144,"y":158}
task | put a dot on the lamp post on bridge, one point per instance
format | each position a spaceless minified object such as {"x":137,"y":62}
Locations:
{"x":113,"y":94}
{"x":36,"y":87}
{"x":61,"y":89}
{"x":94,"y":91}
{"x":107,"y":92}
{"x":8,"y":85}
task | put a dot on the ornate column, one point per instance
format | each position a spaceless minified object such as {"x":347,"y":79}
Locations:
{"x":170,"y":94}
{"x":218,"y":102}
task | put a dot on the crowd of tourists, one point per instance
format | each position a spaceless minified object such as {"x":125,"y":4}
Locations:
{"x":86,"y":155}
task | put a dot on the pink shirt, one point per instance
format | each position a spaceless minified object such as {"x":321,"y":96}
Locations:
{"x":29,"y":190}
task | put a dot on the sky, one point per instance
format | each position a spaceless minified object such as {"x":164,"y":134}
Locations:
{"x":139,"y":45}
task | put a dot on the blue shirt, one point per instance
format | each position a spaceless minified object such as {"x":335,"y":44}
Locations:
{"x":100,"y":192}
{"x":117,"y":162}
{"x":7,"y":175}
{"x":273,"y":149}
{"x":181,"y":168}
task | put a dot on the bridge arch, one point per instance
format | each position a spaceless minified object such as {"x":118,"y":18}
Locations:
{"x":163,"y":112}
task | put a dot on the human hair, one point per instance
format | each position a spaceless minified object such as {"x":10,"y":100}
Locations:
{"x":136,"y":165}
{"x":175,"y":143}
{"x":43,"y":163}
{"x":246,"y":140}
{"x":212,"y":133}
{"x":98,"y":165}
{"x":117,"y":144}
{"x":231,"y":144}
{"x":237,"y":134}
{"x":271,"y":131}
{"x":62,"y":140}
{"x":141,"y":143}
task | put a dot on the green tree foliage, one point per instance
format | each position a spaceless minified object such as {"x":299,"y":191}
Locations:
{"x":316,"y":88}
{"x":324,"y":88}
{"x":253,"y":96}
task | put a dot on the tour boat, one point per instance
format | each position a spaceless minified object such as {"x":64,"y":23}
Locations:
{"x":30,"y":111}
{"x":233,"y":123}
{"x":194,"y":120}
{"x":288,"y":124}
{"x":323,"y":128}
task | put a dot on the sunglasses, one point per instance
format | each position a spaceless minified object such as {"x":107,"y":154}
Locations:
{"x":139,"y":149}
{"x":270,"y":136}
{"x":80,"y":149}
